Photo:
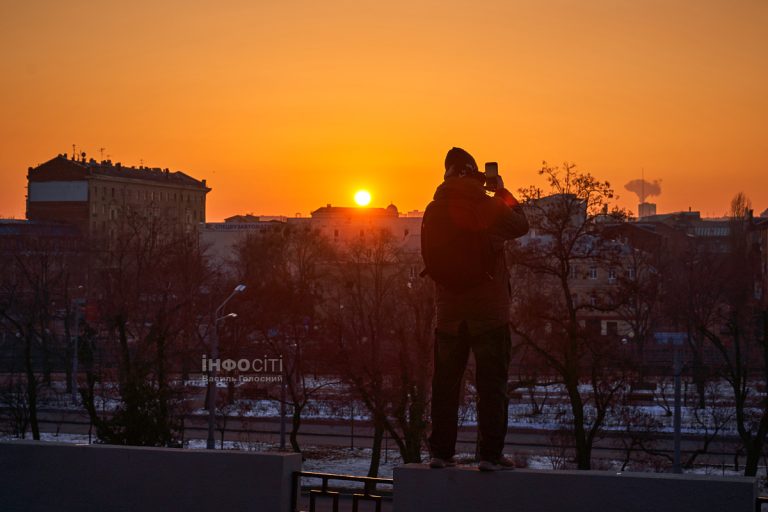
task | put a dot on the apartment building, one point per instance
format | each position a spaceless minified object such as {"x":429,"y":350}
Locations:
{"x":98,"y":196}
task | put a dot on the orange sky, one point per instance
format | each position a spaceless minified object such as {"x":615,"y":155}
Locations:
{"x":285,"y":106}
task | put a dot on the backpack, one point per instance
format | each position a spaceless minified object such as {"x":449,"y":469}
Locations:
{"x":455,"y":245}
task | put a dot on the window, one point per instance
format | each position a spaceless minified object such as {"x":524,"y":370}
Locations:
{"x":592,"y":301}
{"x":573,"y":271}
{"x":612,"y":328}
{"x":632,"y":272}
{"x":593,"y":272}
{"x":611,"y":275}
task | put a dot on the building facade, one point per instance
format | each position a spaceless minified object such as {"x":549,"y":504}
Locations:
{"x":341,"y":225}
{"x":98,"y":196}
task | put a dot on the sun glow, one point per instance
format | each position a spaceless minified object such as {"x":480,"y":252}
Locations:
{"x":362,"y":197}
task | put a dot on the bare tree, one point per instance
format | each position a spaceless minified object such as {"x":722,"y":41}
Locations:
{"x":382,"y":316}
{"x":285,"y":272}
{"x":146,"y":282}
{"x":732,"y":319}
{"x":33,"y":285}
{"x":553,"y":314}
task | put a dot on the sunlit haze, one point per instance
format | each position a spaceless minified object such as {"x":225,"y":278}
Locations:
{"x":285,"y":107}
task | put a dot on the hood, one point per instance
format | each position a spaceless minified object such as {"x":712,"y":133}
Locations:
{"x":465,"y":188}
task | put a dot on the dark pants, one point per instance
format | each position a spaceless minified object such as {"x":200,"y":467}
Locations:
{"x":491,"y":350}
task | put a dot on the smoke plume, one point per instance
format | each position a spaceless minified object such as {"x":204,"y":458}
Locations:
{"x":644,"y":188}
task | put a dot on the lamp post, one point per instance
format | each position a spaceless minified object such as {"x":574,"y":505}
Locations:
{"x":283,"y":410}
{"x":78,"y":304}
{"x":213,"y":364}
{"x":676,"y":339}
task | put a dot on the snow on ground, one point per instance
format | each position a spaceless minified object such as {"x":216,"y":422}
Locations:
{"x":54,"y":438}
{"x":539,"y":407}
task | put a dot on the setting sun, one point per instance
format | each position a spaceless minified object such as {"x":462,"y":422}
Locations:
{"x":362,"y":197}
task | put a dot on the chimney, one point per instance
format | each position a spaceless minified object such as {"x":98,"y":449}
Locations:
{"x":646,"y":210}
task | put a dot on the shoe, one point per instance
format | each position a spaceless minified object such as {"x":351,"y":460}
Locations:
{"x":438,"y":463}
{"x":500,"y":464}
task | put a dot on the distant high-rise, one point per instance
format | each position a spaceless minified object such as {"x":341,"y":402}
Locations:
{"x":97,"y":196}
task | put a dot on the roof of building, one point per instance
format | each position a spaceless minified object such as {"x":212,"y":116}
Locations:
{"x":243,"y":218}
{"x":349,"y":211}
{"x":62,"y":168}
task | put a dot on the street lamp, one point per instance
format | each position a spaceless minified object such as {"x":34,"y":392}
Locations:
{"x":78,"y":303}
{"x":212,"y":368}
{"x":676,"y":339}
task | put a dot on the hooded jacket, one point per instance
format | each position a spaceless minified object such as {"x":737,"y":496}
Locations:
{"x":486,"y":306}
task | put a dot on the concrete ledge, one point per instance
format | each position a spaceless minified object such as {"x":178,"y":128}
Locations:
{"x":420,"y":489}
{"x":41,"y":476}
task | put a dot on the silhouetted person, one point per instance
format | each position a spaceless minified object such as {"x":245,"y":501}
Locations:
{"x":463,"y":234}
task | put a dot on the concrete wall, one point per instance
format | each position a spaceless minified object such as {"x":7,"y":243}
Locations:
{"x":41,"y":476}
{"x":420,"y":489}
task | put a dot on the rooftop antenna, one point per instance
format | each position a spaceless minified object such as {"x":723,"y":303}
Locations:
{"x":74,"y":151}
{"x":101,"y":150}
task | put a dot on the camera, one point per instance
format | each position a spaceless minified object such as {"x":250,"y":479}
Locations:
{"x":491,"y":176}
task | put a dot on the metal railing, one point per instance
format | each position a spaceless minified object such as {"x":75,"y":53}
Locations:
{"x":369,"y":488}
